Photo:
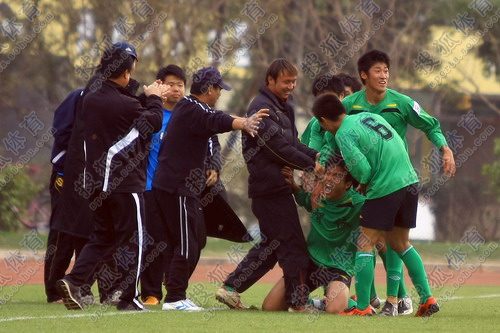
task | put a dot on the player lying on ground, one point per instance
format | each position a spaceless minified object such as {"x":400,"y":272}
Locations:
{"x":331,"y":242}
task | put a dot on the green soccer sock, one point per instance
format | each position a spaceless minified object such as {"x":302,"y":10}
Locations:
{"x":364,"y":278}
{"x":229,"y":288}
{"x":373,"y":291}
{"x":394,"y":267}
{"x":417,"y":273}
{"x":351,"y":303}
{"x":402,"y":285}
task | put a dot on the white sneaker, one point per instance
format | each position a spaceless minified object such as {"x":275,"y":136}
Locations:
{"x":405,"y":306}
{"x":182,"y":305}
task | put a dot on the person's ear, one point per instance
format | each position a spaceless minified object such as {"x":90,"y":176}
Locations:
{"x":270,"y":80}
{"x":363,"y":75}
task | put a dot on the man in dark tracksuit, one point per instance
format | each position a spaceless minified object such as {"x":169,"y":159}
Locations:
{"x":116,"y":128}
{"x":180,"y":179}
{"x":70,"y":225}
{"x":152,"y":276}
{"x":63,"y":124}
{"x":273,"y":204}
{"x":70,"y":221}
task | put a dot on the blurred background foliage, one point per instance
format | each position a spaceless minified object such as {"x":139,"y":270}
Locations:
{"x":48,"y":48}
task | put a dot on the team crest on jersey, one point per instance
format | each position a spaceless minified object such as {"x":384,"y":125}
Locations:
{"x":416,"y":107}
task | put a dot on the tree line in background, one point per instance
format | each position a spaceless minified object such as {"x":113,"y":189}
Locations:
{"x":241,"y":37}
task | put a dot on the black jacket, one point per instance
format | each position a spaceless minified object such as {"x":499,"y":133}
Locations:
{"x":181,"y":168}
{"x":116,"y":131}
{"x":277,"y":145}
{"x":64,"y":117}
{"x":73,"y":213}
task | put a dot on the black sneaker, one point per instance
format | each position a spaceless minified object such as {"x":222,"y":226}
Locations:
{"x":389,"y":310}
{"x":128,"y":306}
{"x":70,"y":295}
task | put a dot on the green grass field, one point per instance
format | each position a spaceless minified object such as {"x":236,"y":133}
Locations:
{"x":470,"y":308}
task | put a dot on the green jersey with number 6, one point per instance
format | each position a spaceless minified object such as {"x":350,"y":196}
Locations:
{"x":375,"y":154}
{"x":398,"y":110}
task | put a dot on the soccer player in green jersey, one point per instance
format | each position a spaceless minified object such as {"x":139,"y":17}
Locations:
{"x":331,"y":242}
{"x":399,"y":111}
{"x":313,"y":134}
{"x":376,"y":157}
{"x":341,"y":85}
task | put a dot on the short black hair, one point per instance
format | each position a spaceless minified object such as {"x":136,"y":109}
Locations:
{"x":114,"y":62}
{"x":133,"y":86}
{"x":328,"y":106}
{"x":280,"y":65}
{"x":370,"y":58}
{"x":171,"y":70}
{"x":350,"y":81}
{"x":327,"y":83}
{"x":337,"y":160}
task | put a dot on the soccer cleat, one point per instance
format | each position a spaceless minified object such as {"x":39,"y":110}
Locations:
{"x":405,"y":306}
{"x":369,"y":311}
{"x":428,"y":308}
{"x":230,"y":298}
{"x":151,"y":300}
{"x":70,"y":295}
{"x":182,"y":305}
{"x":375,"y":302}
{"x":389,"y":310}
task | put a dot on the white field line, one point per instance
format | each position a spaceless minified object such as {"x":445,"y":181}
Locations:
{"x":110,"y":314}
{"x":92,"y":314}
{"x":453,"y":298}
{"x":79,"y":315}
